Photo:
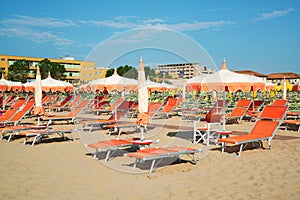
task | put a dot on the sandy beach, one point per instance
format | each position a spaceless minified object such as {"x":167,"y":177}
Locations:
{"x":58,"y":169}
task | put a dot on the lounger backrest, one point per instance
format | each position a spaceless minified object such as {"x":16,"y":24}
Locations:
{"x":74,"y":101}
{"x":102,"y":103}
{"x":19,"y":103}
{"x":238,"y":111}
{"x":74,"y":112}
{"x":279,"y":102}
{"x":125,"y":105}
{"x":243,"y":103}
{"x":264,"y":128}
{"x":17,"y":117}
{"x":219,"y":106}
{"x":83,"y":104}
{"x":213,"y":117}
{"x":273,"y":112}
{"x":1,"y":101}
{"x":154,"y":107}
{"x":8,"y":114}
{"x":117,"y":115}
{"x":65,"y":101}
{"x":29,"y":105}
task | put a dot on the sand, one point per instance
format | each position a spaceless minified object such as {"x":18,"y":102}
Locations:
{"x":58,"y":169}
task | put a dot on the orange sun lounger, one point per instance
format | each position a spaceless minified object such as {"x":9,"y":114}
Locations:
{"x":292,"y":122}
{"x":264,"y":128}
{"x":156,"y":155}
{"x":110,"y":145}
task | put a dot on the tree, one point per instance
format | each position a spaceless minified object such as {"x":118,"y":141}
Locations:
{"x":125,"y":71}
{"x":128,"y":72}
{"x":56,"y":70}
{"x":150,"y":73}
{"x":18,"y":71}
{"x":109,"y":72}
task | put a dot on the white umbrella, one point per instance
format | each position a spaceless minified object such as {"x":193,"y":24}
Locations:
{"x":114,"y":82}
{"x":195,"y":83}
{"x":38,"y":108}
{"x":226,"y":80}
{"x":50,"y":84}
{"x":257,"y":83}
{"x":143,"y":117}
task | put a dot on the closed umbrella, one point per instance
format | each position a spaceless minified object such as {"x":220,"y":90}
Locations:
{"x":38,"y":108}
{"x":143,"y":117}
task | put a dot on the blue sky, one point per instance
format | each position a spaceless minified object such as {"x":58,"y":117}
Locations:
{"x":259,"y":35}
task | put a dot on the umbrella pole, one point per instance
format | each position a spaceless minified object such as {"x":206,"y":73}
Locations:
{"x":224,"y":111}
{"x":142,"y":132}
{"x":38,"y":122}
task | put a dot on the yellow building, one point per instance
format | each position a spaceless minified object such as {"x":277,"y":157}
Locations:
{"x":77,"y":72}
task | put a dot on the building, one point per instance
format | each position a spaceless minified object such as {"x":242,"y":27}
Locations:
{"x":182,"y":70}
{"x":279,"y":77}
{"x":77,"y":72}
{"x":274,"y":77}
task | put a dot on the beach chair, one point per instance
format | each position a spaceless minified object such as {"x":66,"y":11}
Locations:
{"x":239,"y":111}
{"x":156,"y":155}
{"x":292,"y":123}
{"x":255,"y":109}
{"x":207,"y":132}
{"x":116,"y":127}
{"x":168,"y":107}
{"x":279,"y":102}
{"x":15,"y":119}
{"x":68,"y":118}
{"x":39,"y":134}
{"x":110,"y":147}
{"x":7,"y":115}
{"x":11,"y":130}
{"x":63,"y":104}
{"x":19,"y":103}
{"x":153,"y":109}
{"x":111,"y":107}
{"x":212,"y":124}
{"x":264,"y":128}
{"x":74,"y":102}
{"x":120,"y":112}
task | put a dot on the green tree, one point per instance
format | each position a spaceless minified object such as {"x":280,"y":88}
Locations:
{"x":150,"y":73}
{"x":56,"y":70}
{"x":128,"y":71}
{"x":125,"y":71}
{"x":109,"y":72}
{"x":18,"y":71}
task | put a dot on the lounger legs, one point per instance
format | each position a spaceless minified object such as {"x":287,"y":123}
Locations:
{"x":241,"y":149}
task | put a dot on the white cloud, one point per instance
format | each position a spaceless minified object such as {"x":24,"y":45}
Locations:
{"x":135,"y":22}
{"x":26,"y":21}
{"x":273,"y":14}
{"x":36,"y":36}
{"x":193,"y":26}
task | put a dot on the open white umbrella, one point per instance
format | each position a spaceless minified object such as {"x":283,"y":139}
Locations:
{"x":143,"y":117}
{"x":226,"y":80}
{"x":195,"y":83}
{"x":49,"y":84}
{"x":114,"y":82}
{"x":38,"y":108}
